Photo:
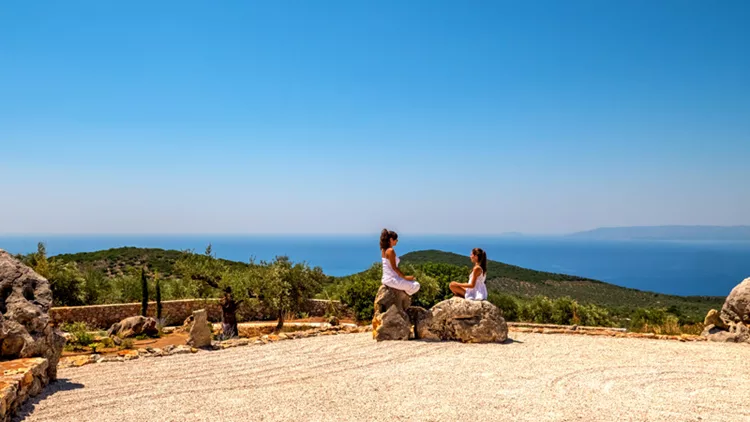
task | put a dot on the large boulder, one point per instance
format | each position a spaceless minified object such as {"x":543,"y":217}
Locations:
{"x":200,"y":333}
{"x":736,"y":308}
{"x":468,"y":321}
{"x":390,"y":320}
{"x":134,"y":326}
{"x":25,"y":329}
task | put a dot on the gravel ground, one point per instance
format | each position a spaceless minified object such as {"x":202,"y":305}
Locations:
{"x":350,"y":377}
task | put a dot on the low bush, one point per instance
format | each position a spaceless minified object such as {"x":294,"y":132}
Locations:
{"x":507,"y":304}
{"x":79,"y":334}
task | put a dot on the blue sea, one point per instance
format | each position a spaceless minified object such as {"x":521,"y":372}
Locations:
{"x":682,"y":268}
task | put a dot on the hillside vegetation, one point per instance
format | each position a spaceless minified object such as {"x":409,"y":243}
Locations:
{"x":526,"y":283}
{"x":113,"y":276}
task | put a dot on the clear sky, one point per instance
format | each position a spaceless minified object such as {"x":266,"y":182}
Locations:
{"x":348,"y":116}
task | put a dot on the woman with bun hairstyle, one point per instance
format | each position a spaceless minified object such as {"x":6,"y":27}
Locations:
{"x":475,"y":289}
{"x":392,"y":276}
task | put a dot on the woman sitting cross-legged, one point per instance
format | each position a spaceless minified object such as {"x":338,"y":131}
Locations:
{"x":475,"y":289}
{"x":392,"y":276}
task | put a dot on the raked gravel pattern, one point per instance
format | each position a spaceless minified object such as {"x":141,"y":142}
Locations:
{"x":352,"y":378}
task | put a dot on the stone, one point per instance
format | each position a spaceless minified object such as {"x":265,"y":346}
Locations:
{"x":200,"y":333}
{"x":20,"y":379}
{"x":390,"y":320}
{"x":134,"y":326}
{"x":735,"y":333}
{"x":736,"y":307}
{"x":713,"y":318}
{"x":25,"y":328}
{"x":334,"y":321}
{"x":468,"y":321}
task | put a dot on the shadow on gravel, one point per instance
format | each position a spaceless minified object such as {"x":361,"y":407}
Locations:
{"x":54,"y":387}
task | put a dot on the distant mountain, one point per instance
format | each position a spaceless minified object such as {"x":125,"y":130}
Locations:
{"x":666,"y":233}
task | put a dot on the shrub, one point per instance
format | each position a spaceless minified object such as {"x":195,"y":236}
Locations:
{"x":429,"y":290}
{"x":564,"y":311}
{"x":360,"y":291}
{"x":594,"y":316}
{"x":127,"y":344}
{"x":79,"y":334}
{"x":538,"y":310}
{"x":507,"y":304}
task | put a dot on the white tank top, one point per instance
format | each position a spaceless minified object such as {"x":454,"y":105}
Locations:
{"x":388,"y":272}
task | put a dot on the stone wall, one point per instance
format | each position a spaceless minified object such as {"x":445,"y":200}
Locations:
{"x":175,"y":311}
{"x":19,"y":380}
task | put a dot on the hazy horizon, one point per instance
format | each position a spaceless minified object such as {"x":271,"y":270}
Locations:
{"x":433,"y":117}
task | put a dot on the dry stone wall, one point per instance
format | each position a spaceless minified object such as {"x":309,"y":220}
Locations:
{"x":175,"y":311}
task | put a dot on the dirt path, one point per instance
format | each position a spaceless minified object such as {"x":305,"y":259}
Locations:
{"x":350,"y":377}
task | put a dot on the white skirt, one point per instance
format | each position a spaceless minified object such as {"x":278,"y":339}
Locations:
{"x":477,"y":293}
{"x":410,"y":287}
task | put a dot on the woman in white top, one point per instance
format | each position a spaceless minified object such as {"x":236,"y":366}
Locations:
{"x":475,"y":289}
{"x":392,"y":276}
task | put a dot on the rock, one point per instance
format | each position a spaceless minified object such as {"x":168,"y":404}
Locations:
{"x":417,"y":314}
{"x":467,"y":321}
{"x":334,"y":321}
{"x":736,"y":308}
{"x":713,"y":318}
{"x":736,"y":333}
{"x":181,"y":350}
{"x":25,"y":329}
{"x":390,"y":320}
{"x":134,"y":326}
{"x":200,"y":332}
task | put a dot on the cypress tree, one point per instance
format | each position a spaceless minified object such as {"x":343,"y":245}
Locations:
{"x":158,"y":300}
{"x":144,"y":290}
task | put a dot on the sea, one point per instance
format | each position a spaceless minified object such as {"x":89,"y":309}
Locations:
{"x":672,"y":267}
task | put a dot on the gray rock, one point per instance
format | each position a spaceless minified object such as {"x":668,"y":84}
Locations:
{"x":467,"y":321}
{"x":736,"y":308}
{"x":134,"y":326}
{"x":390,"y":320}
{"x":735,"y":333}
{"x":200,"y":333}
{"x":25,"y":329}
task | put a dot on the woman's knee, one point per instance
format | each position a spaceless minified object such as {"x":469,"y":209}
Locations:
{"x":417,"y":286}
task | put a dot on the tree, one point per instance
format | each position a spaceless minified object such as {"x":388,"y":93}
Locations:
{"x":158,"y":296}
{"x":288,"y":286}
{"x":144,"y":292}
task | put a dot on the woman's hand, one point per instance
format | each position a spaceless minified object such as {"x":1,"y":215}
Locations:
{"x":409,"y":278}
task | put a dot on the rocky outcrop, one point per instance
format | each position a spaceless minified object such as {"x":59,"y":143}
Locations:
{"x":736,"y":308}
{"x":25,"y":329}
{"x":390,"y":320}
{"x":463,"y":320}
{"x":200,"y":333}
{"x":134,"y":326}
{"x":732,"y":325}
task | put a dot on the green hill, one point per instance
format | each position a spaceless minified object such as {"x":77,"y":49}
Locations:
{"x":523,"y":282}
{"x":117,"y":261}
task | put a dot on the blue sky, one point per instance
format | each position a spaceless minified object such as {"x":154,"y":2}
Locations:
{"x":347,"y":116}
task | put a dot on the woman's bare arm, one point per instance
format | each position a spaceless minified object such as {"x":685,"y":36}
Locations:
{"x":473,"y":278}
{"x":391,"y":255}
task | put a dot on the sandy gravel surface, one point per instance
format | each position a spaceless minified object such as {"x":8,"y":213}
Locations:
{"x":350,"y":377}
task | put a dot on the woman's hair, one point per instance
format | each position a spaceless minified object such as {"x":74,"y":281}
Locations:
{"x":385,"y":238}
{"x":481,"y":257}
